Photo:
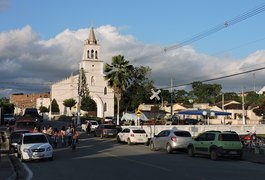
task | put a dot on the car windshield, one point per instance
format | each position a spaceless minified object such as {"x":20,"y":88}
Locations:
{"x":26,"y":125}
{"x":35,"y":139}
{"x":182,"y":133}
{"x":230,"y":137}
{"x":138,"y":131}
{"x":94,"y":123}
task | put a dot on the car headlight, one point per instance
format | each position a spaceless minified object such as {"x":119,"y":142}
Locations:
{"x":49,"y":148}
{"x":26,"y":150}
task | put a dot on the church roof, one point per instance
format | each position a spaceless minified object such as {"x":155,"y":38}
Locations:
{"x":92,"y":37}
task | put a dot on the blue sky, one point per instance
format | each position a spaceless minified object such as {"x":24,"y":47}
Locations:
{"x":165,"y":22}
{"x":157,"y":24}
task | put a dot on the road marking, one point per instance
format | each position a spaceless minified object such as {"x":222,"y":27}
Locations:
{"x":29,"y":172}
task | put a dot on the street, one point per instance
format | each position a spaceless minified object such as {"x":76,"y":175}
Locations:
{"x":97,"y":158}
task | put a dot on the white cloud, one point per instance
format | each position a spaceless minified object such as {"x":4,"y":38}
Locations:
{"x":25,"y":56}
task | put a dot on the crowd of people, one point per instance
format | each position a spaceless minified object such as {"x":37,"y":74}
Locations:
{"x":63,"y":137}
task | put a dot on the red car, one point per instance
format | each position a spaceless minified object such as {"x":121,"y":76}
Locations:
{"x":25,"y":125}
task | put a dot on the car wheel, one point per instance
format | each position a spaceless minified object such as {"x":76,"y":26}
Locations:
{"x":213,"y":155}
{"x":169,"y":148}
{"x":190,"y":151}
{"x":118,"y":139}
{"x":129,"y":141}
{"x":152,"y":146}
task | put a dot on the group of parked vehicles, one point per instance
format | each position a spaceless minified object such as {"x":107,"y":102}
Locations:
{"x":215,"y":144}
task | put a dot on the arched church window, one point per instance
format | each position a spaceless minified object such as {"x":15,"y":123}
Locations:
{"x":92,"y":54}
{"x":105,"y":106}
{"x":88,"y":54}
{"x":96,"y":54}
{"x":92,"y":81}
{"x":105,"y":90}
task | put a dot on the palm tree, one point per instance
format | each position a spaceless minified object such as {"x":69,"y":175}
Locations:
{"x":118,"y":75}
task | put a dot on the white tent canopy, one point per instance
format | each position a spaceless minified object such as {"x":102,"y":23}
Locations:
{"x":133,"y":116}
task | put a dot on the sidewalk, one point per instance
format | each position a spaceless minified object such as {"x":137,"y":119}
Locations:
{"x":7,"y":171}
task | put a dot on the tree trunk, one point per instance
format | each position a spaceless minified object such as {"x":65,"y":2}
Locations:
{"x":118,"y":96}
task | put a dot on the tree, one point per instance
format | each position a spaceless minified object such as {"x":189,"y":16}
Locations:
{"x":229,"y":96}
{"x":6,"y":106}
{"x":83,"y":90}
{"x":43,"y":109}
{"x":69,"y":103}
{"x":55,"y":107}
{"x":139,"y":90}
{"x":88,"y":104}
{"x":205,"y":93}
{"x":118,"y":75}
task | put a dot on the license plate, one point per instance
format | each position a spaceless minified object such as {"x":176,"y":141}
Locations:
{"x":38,"y":155}
{"x":110,"y":133}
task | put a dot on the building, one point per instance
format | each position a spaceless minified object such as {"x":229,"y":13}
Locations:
{"x":23,"y":101}
{"x":92,"y":65}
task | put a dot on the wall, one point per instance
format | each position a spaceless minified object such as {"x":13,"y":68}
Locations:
{"x":197,"y":129}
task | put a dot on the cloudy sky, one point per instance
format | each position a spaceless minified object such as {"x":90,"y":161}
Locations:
{"x":41,"y":41}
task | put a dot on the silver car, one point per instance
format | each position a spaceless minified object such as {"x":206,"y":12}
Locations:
{"x":170,"y":140}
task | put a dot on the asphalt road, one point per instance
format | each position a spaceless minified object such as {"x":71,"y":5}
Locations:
{"x":99,"y":159}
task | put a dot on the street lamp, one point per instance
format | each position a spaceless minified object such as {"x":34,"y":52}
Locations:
{"x":209,"y":114}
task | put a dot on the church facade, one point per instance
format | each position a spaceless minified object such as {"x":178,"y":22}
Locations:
{"x":98,"y":90}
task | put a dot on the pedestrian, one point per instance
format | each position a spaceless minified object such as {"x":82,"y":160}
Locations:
{"x":75,"y":138}
{"x":63,"y":136}
{"x":88,"y":127}
{"x":69,"y":135}
{"x":55,"y":137}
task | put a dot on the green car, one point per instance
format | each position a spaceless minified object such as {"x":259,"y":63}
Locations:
{"x":217,"y":144}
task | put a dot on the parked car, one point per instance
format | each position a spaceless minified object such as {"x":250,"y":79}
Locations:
{"x":189,"y":121}
{"x":94,"y":125}
{"x":132,"y":135}
{"x":14,"y":138}
{"x":32,"y":113}
{"x":216,"y":144}
{"x":34,"y":146}
{"x":106,"y":130}
{"x":9,"y":119}
{"x":170,"y":140}
{"x":25,"y":125}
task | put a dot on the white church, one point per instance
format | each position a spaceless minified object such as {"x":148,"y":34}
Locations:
{"x":98,"y":89}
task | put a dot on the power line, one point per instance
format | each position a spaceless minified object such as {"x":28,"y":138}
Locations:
{"x":218,"y":78}
{"x":225,"y":24}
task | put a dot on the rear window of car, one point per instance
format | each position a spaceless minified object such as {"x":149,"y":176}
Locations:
{"x":109,"y":127}
{"x":182,"y":133}
{"x":230,"y":137}
{"x":138,"y":131}
{"x":25,"y":125}
{"x":35,"y":139}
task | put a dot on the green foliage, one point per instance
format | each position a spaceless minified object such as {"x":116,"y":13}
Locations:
{"x":139,"y":90}
{"x":88,"y":104}
{"x":83,"y":90}
{"x":43,"y":109}
{"x":206,"y":93}
{"x":55,"y":106}
{"x":69,"y":103}
{"x":229,"y":96}
{"x":6,"y":106}
{"x":119,"y":76}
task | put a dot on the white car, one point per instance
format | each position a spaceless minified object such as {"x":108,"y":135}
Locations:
{"x":34,"y":146}
{"x":132,"y":135}
{"x":94,"y":125}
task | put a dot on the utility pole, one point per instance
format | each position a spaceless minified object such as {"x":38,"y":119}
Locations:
{"x":171,"y":101}
{"x":223,"y":107}
{"x":243,"y":108}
